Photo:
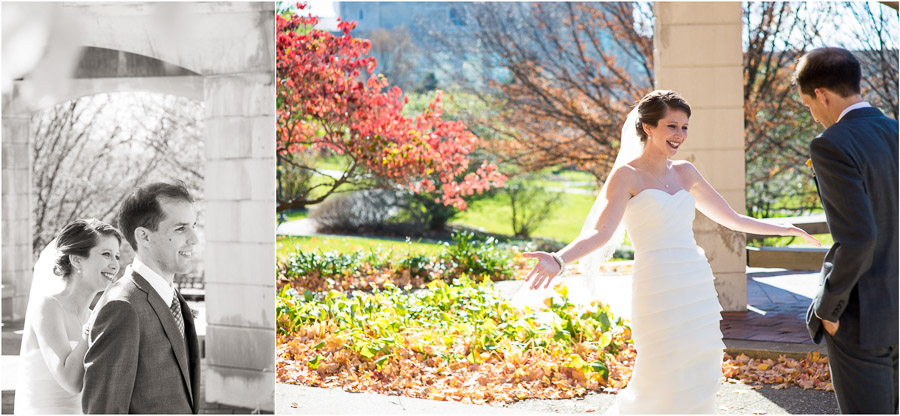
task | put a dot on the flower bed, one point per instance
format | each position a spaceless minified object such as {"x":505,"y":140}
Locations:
{"x":459,"y":341}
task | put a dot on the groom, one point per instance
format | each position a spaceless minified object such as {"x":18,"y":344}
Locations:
{"x":855,"y":163}
{"x":143,"y":354}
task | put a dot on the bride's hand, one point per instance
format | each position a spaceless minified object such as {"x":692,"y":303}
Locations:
{"x":545,"y":269}
{"x":792,"y":230}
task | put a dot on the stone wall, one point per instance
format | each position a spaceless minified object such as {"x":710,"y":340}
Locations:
{"x":16,"y":210}
{"x":232,"y":46}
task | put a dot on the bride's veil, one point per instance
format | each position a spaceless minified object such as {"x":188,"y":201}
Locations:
{"x":44,"y":281}
{"x":630,"y":147}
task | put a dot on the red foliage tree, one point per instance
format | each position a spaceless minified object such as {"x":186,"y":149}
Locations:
{"x":329,"y":101}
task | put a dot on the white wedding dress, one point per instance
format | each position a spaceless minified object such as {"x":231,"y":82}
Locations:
{"x":38,"y":393}
{"x":675,"y":310}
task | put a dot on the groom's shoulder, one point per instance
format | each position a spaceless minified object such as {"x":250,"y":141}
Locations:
{"x":864,"y":122}
{"x":126,"y":288}
{"x":838,"y":131}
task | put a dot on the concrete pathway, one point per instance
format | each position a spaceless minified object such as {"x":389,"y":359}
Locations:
{"x":731,"y":399}
{"x":305,"y":227}
{"x":291,"y":399}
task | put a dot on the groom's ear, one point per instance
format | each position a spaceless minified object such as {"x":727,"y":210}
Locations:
{"x":821,"y":96}
{"x":141,"y":234}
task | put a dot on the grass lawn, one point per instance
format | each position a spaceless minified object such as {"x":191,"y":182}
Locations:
{"x":493,"y":215}
{"x":577,"y":176}
{"x":345,"y":244}
{"x":560,"y":184}
{"x":331,"y":162}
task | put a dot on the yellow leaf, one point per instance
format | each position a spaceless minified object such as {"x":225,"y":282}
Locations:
{"x":561,"y":289}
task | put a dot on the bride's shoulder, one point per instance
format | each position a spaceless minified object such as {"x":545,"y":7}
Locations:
{"x":46,"y":308}
{"x":626,"y":174}
{"x":682,"y":164}
{"x":626,"y":170}
{"x":684,"y":167}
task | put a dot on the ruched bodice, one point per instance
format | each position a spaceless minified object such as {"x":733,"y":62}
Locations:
{"x":675,"y":310}
{"x":658,"y":220}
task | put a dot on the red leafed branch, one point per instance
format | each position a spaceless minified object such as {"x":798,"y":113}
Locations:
{"x":330,"y":101}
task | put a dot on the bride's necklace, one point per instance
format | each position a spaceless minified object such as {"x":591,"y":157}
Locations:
{"x":666,"y":181}
{"x":71,"y":311}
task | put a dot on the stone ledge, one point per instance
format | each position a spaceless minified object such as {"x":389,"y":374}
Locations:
{"x":771,"y":350}
{"x":793,"y":258}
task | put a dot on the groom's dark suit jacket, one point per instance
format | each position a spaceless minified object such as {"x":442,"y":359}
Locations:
{"x":855,"y":162}
{"x":137,"y":362}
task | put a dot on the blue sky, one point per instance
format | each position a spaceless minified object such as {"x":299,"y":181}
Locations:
{"x":326,"y":10}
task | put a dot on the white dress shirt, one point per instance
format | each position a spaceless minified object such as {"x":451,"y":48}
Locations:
{"x":163,"y":288}
{"x":861,"y":104}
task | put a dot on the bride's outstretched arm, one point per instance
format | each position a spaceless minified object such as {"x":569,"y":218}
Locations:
{"x":66,"y":363}
{"x":711,"y":204}
{"x":617,"y":196}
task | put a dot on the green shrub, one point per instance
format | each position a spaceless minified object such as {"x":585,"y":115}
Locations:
{"x":469,"y":255}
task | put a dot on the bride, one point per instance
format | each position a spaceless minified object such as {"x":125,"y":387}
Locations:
{"x":70,"y":271}
{"x":675,"y":309}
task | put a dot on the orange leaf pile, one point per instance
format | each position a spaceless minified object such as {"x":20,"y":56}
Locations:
{"x":811,"y":372}
{"x":460,"y":341}
{"x":414,"y":371}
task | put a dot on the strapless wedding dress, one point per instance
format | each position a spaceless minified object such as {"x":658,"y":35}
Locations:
{"x":37,"y":392}
{"x":675,"y":310}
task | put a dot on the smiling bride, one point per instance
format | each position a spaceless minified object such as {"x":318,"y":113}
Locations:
{"x":80,"y":262}
{"x":675,"y":308}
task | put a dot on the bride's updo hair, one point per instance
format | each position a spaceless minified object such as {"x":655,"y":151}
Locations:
{"x":79,"y":237}
{"x":653,"y":107}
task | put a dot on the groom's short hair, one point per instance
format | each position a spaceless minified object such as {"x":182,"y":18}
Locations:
{"x":142,"y":207}
{"x":833,"y":68}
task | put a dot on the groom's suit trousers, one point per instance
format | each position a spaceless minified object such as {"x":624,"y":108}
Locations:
{"x":865,"y":380}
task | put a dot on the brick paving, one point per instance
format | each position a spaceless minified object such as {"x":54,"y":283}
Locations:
{"x":777,"y":301}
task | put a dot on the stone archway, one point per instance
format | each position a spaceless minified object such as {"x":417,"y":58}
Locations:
{"x":231,"y":49}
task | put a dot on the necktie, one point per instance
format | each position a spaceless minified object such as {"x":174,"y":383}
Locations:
{"x":175,"y":306}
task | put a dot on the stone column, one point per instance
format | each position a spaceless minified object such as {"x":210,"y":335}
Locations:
{"x":16,"y":214}
{"x":239,"y":129}
{"x":697,"y":52}
{"x":240,"y":240}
